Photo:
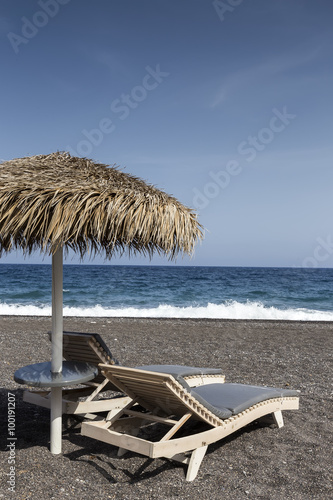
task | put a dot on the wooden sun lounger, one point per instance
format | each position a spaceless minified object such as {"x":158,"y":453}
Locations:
{"x":160,"y":399}
{"x":90,"y":348}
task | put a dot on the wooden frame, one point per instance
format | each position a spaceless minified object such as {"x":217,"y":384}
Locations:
{"x":161,"y":394}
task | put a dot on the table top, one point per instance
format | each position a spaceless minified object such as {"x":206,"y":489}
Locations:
{"x":40,"y":375}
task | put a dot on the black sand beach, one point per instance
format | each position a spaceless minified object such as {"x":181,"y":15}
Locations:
{"x":258,"y":462}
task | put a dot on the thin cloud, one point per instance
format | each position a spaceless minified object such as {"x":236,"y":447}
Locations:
{"x":273,"y":67}
{"x":112,"y":60}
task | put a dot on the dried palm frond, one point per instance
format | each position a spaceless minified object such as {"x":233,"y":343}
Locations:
{"x":56,"y":200}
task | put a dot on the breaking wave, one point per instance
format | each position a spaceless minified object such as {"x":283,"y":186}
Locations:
{"x":228,"y":310}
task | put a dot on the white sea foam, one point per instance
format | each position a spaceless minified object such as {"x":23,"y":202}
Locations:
{"x":230,"y":310}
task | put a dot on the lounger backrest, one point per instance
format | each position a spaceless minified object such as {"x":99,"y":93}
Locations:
{"x":158,"y":392}
{"x":89,"y":348}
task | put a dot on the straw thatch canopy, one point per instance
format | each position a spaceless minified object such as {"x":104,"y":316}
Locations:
{"x":56,"y":200}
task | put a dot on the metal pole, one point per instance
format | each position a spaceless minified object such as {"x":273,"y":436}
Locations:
{"x":56,"y":360}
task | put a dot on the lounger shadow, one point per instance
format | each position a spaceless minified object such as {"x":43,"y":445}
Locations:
{"x":160,"y":399}
{"x":87,"y":400}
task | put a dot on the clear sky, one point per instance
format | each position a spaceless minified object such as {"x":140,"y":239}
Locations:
{"x":225,"y":104}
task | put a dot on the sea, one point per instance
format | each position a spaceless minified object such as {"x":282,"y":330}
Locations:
{"x":302,"y":294}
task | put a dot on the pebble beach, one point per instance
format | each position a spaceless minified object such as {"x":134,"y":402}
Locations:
{"x":257,"y":462}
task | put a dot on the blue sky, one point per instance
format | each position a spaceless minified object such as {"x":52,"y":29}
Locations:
{"x":226,"y":105}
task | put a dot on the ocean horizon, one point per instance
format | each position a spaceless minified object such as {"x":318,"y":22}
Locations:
{"x":300,"y":294}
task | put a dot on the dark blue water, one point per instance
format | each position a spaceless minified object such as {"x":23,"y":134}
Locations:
{"x":171,"y":291}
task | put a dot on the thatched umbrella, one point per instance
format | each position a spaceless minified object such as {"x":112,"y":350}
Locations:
{"x":55,"y":202}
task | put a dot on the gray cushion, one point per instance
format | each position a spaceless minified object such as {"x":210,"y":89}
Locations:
{"x":236,"y":397}
{"x":180,"y":371}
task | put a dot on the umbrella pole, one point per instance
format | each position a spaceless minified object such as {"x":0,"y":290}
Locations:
{"x":57,"y":340}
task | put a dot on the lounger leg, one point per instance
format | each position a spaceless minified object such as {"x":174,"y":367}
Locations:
{"x":97,"y":390}
{"x":278,"y":418}
{"x":122,"y":451}
{"x":195,"y":462}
